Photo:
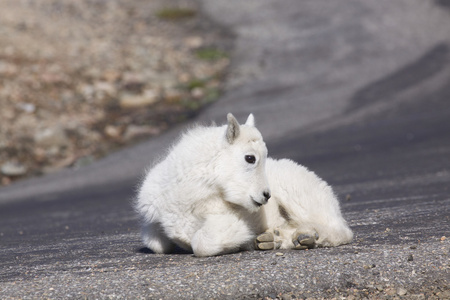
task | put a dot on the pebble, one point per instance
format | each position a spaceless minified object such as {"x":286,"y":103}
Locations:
{"x":193,"y":42}
{"x":112,"y":131}
{"x":367,"y":267}
{"x":134,"y":131}
{"x":401,"y":291}
{"x":197,"y":93}
{"x":133,"y":81}
{"x":149,"y":97}
{"x":26,"y":107}
{"x":87,"y":91}
{"x":410,"y":257}
{"x":105,"y":87}
{"x":13,"y":169}
{"x":172,"y":95}
{"x":111,"y":76}
{"x":390,"y":291}
{"x":52,"y":136}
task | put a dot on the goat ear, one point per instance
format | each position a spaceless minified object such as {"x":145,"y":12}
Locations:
{"x":233,"y":129}
{"x":250,"y":120}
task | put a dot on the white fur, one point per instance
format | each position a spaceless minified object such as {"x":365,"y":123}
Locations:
{"x":206,"y":197}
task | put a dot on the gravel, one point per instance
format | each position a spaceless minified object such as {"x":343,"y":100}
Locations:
{"x":326,"y":273}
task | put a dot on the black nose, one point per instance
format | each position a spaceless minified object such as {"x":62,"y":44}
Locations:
{"x":266,"y":195}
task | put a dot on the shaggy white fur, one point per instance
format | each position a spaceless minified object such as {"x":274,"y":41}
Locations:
{"x":216,"y":192}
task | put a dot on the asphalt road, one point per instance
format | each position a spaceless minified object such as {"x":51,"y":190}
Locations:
{"x":358,"y":92}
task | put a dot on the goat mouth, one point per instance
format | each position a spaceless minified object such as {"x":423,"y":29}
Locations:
{"x":257,"y":203}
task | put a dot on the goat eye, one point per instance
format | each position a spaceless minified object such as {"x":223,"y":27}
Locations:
{"x":250,"y":159}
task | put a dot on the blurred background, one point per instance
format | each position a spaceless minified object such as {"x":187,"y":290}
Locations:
{"x":81,"y":79}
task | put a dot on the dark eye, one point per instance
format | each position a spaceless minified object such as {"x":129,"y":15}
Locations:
{"x":250,"y":159}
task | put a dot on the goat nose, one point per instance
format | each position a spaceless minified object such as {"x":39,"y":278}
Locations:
{"x":266,"y":195}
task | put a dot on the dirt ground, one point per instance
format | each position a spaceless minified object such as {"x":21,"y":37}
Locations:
{"x":82,"y":78}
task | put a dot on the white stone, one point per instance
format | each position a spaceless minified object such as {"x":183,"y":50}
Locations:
{"x":13,"y":169}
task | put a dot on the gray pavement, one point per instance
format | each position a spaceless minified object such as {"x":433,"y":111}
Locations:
{"x":357,"y":91}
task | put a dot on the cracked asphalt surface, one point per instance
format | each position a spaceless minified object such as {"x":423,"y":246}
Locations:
{"x":357,"y":92}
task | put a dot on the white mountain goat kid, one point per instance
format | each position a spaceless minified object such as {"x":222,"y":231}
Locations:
{"x":216,"y":192}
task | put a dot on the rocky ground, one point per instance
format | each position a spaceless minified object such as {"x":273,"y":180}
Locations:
{"x":82,"y":78}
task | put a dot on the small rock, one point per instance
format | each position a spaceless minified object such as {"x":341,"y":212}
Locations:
{"x":106,"y":88}
{"x":149,"y":97}
{"x":112,"y":131}
{"x":68,"y":97}
{"x":401,"y":291}
{"x":410,"y":257}
{"x":13,"y":169}
{"x":111,"y":75}
{"x":197,"y":92}
{"x":133,"y":81}
{"x":26,"y":107}
{"x":53,"y":136}
{"x":93,"y":73}
{"x":87,"y":90}
{"x":172,"y":95}
{"x":193,"y":42}
{"x":443,"y":238}
{"x":39,"y":154}
{"x":286,"y":297}
{"x":52,"y":151}
{"x":367,"y":267}
{"x":390,"y":291}
{"x":184,"y":78}
{"x":445,"y":294}
{"x":134,"y":131}
{"x":62,"y":163}
{"x":279,"y":254}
